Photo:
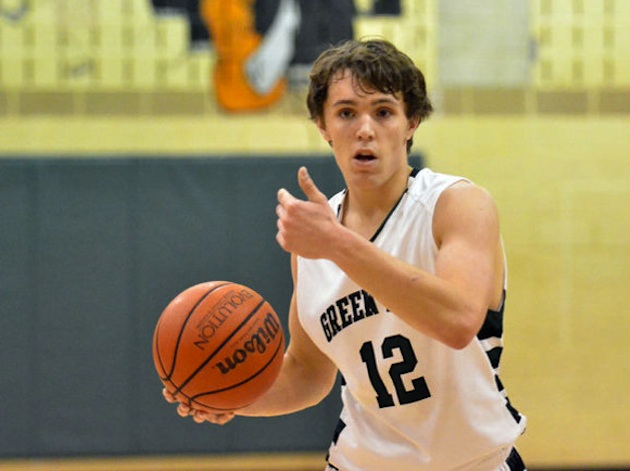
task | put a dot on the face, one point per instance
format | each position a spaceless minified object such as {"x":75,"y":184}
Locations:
{"x":368,"y":131}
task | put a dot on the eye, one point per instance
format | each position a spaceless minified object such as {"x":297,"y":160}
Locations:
{"x":346,"y":113}
{"x":383,"y":112}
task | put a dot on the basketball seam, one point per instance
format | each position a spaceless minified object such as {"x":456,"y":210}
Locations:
{"x":207,"y":393}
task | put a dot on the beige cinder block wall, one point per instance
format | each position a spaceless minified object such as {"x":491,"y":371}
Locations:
{"x":562,"y":185}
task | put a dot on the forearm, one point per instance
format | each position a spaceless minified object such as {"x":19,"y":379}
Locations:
{"x":295,"y":389}
{"x":437,"y":307}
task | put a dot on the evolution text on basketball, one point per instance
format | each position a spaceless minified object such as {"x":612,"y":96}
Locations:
{"x":217,"y":315}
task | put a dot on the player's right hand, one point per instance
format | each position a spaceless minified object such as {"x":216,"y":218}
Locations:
{"x":306,"y":227}
{"x":199,"y":416}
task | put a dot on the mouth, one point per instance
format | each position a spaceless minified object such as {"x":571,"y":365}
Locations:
{"x":364,"y":156}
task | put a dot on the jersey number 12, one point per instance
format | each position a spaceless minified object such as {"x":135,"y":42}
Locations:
{"x":419,"y":389}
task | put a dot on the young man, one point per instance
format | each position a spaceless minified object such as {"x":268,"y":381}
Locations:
{"x":399,"y":285}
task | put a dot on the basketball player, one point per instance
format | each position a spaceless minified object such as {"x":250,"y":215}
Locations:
{"x":399,"y":285}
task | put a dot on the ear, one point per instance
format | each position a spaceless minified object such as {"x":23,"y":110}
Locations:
{"x":413,"y":125}
{"x":321,"y":126}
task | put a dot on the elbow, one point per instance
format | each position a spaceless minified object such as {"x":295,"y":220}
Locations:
{"x":465,"y":329}
{"x":312,"y":381}
{"x":459,"y":342}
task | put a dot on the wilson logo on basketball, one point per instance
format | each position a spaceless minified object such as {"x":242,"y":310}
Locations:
{"x":218,"y":314}
{"x":257,"y":343}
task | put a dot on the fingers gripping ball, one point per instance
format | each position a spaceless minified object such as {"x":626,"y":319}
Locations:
{"x":218,"y":346}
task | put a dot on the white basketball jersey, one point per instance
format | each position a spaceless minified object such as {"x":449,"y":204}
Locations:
{"x":410,"y":402}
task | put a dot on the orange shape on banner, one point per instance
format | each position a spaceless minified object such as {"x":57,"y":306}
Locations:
{"x":232,"y":26}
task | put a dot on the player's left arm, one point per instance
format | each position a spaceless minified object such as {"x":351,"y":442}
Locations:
{"x":470,"y":253}
{"x":449,"y":305}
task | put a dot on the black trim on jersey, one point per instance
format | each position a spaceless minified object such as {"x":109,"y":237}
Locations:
{"x":412,"y":174}
{"x":378,"y":231}
{"x":516,"y":414}
{"x":338,"y":429}
{"x":332,"y":466}
{"x":493,"y":324}
{"x":493,"y":328}
{"x":494,"y":356}
{"x":341,"y":204}
{"x":515,"y":462}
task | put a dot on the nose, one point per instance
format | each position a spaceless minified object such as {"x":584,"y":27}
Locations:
{"x":366,"y":130}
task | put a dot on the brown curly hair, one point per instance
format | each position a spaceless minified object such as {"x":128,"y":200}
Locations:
{"x":375,"y":64}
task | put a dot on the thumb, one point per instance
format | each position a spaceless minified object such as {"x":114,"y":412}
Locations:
{"x":309,"y":188}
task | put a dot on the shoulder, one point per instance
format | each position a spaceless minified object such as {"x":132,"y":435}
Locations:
{"x":464,"y":193}
{"x":426,"y":185}
{"x":464,"y":207}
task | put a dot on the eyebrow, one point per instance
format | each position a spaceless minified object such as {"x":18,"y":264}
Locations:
{"x":378,"y":101}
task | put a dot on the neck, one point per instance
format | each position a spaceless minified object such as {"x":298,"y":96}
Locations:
{"x":364,"y":210}
{"x":381,"y":198}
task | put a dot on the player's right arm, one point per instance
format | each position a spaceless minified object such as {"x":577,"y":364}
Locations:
{"x":306,"y":377}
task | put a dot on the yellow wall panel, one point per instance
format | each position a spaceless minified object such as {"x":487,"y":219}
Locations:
{"x":144,"y":40}
{"x":43,"y":11}
{"x":172,"y":37}
{"x":562,"y":39}
{"x":562,"y":187}
{"x":621,"y":11}
{"x":46,"y":72}
{"x":593,"y":72}
{"x":110,"y":73}
{"x":77,"y":71}
{"x":576,"y":39}
{"x":562,"y":10}
{"x":593,"y":12}
{"x":44,"y":40}
{"x":582,"y":44}
{"x":144,"y":73}
{"x":111,"y":10}
{"x":12,"y":72}
{"x":176,"y":75}
{"x":602,"y":202}
{"x":111,"y":40}
{"x":622,"y":72}
{"x":593,"y":41}
{"x":376,"y":26}
{"x":138,"y":12}
{"x":622,"y":42}
{"x":11,"y":41}
{"x":200,"y":71}
{"x":77,"y":41}
{"x":419,"y":8}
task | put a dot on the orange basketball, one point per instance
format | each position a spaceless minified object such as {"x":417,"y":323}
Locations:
{"x":218,"y":346}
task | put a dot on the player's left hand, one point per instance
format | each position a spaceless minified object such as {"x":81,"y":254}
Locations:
{"x":305,"y":228}
{"x":198,"y":416}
